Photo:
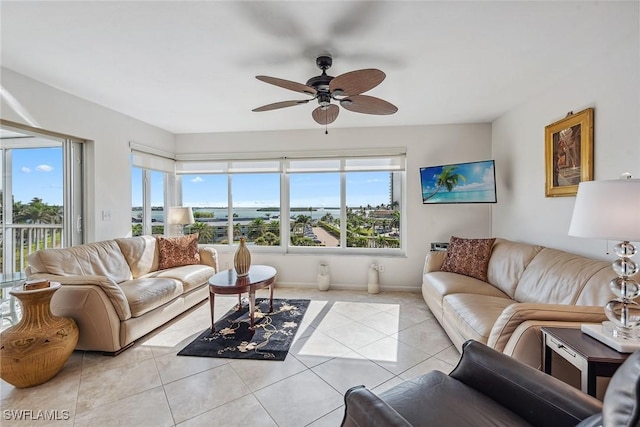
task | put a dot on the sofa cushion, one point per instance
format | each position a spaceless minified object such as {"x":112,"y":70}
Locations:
{"x":469,"y":257}
{"x":191,"y":276}
{"x":439,"y":284}
{"x":141,"y":253}
{"x":92,"y":259}
{"x":473,"y":315}
{"x":148,"y":293}
{"x":507,"y":263}
{"x":557,"y":277}
{"x":177,"y":251}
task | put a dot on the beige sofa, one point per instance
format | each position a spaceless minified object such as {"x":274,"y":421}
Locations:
{"x":527,"y":287}
{"x":115,"y":292}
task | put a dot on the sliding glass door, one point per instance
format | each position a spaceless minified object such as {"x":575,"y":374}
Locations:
{"x":41,"y":202}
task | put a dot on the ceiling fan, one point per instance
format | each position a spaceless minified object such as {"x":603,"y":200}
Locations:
{"x":346,"y":89}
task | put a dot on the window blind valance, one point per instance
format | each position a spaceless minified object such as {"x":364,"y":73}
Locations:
{"x":297,"y":165}
{"x":347,"y":164}
{"x":232,"y":166}
{"x":150,"y":158}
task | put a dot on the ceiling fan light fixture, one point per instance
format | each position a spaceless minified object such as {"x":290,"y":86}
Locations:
{"x":349,"y":86}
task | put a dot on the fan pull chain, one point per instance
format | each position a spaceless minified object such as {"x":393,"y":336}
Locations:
{"x":326,"y":130}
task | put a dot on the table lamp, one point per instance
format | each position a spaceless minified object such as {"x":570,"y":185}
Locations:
{"x":610,"y":210}
{"x":181,"y":216}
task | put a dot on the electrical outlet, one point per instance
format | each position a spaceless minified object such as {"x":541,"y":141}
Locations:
{"x":106,"y":215}
{"x":380,"y":268}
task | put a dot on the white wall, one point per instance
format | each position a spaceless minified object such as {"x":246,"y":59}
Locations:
{"x":425,"y":145}
{"x":611,"y":85}
{"x":108,"y":163}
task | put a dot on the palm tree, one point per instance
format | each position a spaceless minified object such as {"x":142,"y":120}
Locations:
{"x":395,"y":222}
{"x":328,"y":218}
{"x":205,"y":232}
{"x":301,"y":221}
{"x":274,"y":227}
{"x":237,"y":230}
{"x":37,"y":212}
{"x":256,"y":228}
{"x":448,"y":178}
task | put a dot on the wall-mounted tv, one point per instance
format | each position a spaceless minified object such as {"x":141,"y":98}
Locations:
{"x":473,"y":182}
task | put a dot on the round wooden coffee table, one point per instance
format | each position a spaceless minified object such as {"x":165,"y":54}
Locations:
{"x":227,"y":282}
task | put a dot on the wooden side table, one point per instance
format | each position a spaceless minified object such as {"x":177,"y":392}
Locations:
{"x":593,"y":358}
{"x":227,"y":282}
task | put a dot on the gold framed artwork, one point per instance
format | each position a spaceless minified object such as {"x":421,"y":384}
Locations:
{"x":569,"y":153}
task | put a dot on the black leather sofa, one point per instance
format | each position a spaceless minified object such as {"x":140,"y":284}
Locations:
{"x":488,"y":388}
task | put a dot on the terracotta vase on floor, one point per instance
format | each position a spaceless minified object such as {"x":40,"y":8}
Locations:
{"x":35,"y":350}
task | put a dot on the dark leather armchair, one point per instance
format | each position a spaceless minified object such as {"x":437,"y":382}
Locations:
{"x":488,"y":388}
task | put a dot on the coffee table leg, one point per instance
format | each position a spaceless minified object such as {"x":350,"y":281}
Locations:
{"x":212,"y":304}
{"x":252,"y":305}
{"x":271,"y":286}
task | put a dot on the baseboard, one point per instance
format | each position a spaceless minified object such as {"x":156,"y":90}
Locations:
{"x":348,"y":287}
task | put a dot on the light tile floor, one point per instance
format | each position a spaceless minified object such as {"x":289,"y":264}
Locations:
{"x":346,"y":338}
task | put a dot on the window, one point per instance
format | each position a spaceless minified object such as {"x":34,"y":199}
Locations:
{"x":256,"y":207}
{"x":41,"y":193}
{"x":351,"y":203}
{"x":150,"y":174}
{"x":373,"y":220}
{"x":315,"y":209}
{"x":207,"y":194}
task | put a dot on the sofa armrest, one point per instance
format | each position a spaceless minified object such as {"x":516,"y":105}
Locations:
{"x":517,"y":313}
{"x":365,"y":409}
{"x":529,"y":393}
{"x":433,"y":261}
{"x":209,"y":256}
{"x":108,"y":286}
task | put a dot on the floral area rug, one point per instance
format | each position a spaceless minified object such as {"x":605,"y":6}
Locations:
{"x":233,"y":339}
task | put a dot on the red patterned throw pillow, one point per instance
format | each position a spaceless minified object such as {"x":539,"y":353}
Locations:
{"x":469,"y":257}
{"x":177,"y":251}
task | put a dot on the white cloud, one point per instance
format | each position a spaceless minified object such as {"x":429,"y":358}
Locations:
{"x":197,"y":179}
{"x":25,"y":169}
{"x":44,"y":168}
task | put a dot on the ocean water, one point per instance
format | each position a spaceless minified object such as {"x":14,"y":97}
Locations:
{"x":482,"y":196}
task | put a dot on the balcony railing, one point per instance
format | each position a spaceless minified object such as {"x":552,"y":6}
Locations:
{"x":21,"y":240}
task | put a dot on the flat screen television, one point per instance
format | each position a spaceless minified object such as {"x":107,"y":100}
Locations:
{"x":473,"y":182}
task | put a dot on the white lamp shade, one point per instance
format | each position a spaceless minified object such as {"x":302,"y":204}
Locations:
{"x":181,"y":215}
{"x":607,"y":210}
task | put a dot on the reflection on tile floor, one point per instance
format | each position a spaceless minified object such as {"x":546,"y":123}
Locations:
{"x":346,"y":338}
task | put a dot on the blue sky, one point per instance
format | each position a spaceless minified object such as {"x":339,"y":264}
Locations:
{"x":37,"y":172}
{"x":260,"y":190}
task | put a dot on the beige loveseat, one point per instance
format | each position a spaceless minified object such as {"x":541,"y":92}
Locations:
{"x":527,"y":287}
{"x":114,"y":290}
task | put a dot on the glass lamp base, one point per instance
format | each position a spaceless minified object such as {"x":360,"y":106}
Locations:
{"x":616,"y":331}
{"x":620,"y":344}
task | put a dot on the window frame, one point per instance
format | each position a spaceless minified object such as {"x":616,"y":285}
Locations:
{"x":231,"y":164}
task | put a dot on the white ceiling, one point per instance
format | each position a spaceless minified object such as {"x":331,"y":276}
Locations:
{"x":190,"y":66}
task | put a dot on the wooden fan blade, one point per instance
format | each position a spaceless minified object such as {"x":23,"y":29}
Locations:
{"x":282,"y":104}
{"x":287,"y":84}
{"x":368,"y":105}
{"x":356,"y":82}
{"x":326,"y":116}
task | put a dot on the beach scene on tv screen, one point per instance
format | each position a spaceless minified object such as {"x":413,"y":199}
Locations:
{"x":459,"y":183}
